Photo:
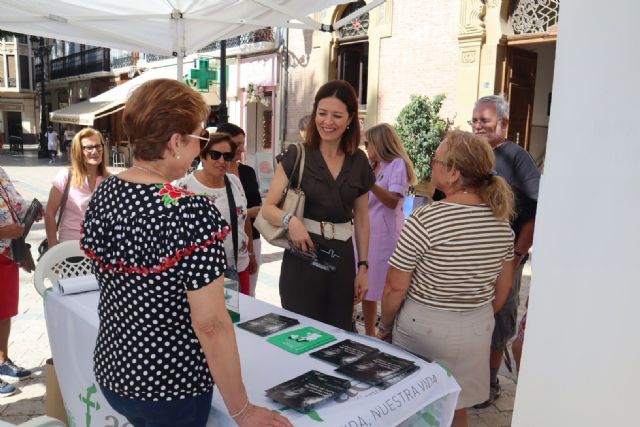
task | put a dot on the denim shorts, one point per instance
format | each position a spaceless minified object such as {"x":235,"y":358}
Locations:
{"x":192,"y":412}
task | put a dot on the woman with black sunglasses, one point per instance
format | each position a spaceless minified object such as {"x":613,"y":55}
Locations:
{"x":226,"y":192}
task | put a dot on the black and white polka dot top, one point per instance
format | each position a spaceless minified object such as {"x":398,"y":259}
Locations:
{"x":149,"y":245}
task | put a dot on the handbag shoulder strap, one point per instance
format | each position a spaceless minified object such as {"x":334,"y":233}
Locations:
{"x":299,"y":164}
{"x":65,"y":196}
{"x":234,"y":218}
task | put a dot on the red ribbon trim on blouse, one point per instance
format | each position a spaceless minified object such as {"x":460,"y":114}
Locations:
{"x":168,"y":262}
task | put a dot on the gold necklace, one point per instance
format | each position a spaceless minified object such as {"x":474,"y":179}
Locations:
{"x":463,"y":191}
{"x":150,"y":171}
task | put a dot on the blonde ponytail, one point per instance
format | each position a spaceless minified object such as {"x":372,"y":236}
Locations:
{"x":474,"y":158}
{"x":498,"y":195}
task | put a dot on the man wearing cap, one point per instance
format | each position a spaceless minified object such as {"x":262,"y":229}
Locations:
{"x":515,"y":165}
{"x":52,"y":143}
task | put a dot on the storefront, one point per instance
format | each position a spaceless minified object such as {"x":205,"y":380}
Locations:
{"x":257,"y":81}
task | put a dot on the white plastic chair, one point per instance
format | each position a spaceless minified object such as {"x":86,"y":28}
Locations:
{"x":117,"y":158}
{"x":64,"y":260}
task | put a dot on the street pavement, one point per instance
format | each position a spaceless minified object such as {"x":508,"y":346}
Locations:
{"x":29,"y":342}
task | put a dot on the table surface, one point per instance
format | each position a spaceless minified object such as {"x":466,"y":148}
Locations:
{"x":72,"y":323}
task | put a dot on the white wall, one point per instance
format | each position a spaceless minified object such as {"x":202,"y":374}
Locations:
{"x":581,"y":361}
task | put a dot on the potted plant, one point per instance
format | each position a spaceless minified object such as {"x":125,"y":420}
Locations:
{"x":421,"y":130}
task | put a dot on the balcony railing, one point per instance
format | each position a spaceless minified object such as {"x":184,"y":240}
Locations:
{"x":122,"y":61}
{"x":87,"y":61}
{"x":152,"y":57}
{"x":263,"y":35}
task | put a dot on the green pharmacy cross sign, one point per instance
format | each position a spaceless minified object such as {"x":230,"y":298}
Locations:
{"x":200,"y":77}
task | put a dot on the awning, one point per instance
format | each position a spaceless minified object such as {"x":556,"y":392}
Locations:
{"x":84,"y":113}
{"x":113,"y":100}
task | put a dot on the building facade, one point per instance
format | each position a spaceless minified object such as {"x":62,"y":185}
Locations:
{"x":463,"y":49}
{"x":18,"y":114}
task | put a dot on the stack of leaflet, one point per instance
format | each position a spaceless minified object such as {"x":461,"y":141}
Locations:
{"x":344,"y":352}
{"x":268,"y":324}
{"x":379,"y":369}
{"x":364,"y":363}
{"x":308,"y":390}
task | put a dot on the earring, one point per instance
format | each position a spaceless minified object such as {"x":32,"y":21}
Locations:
{"x":348,"y":127}
{"x":177,"y":156}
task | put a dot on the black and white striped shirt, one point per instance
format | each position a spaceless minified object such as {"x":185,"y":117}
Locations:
{"x":455,"y":253}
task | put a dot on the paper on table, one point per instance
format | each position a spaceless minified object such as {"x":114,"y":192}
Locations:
{"x":75,"y":285}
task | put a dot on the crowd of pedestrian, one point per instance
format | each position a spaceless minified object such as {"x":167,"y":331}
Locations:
{"x":442,"y":284}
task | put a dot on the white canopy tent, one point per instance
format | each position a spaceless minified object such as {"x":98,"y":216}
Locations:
{"x":165,"y":27}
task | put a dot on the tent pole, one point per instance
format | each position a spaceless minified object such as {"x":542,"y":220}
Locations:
{"x":223,"y":113}
{"x":177,"y":15}
{"x":179,"y":66}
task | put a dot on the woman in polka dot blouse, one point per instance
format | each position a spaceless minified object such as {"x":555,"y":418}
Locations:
{"x":165,"y":335}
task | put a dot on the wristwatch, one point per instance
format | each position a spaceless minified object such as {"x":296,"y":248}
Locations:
{"x":285,"y":220}
{"x":365,"y":263}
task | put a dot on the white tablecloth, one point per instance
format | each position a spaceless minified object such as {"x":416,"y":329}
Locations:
{"x":426,"y":398}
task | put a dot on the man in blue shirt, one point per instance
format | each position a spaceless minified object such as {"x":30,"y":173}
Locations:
{"x":515,"y":165}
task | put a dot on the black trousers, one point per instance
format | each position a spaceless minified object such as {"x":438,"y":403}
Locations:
{"x":318,"y":294}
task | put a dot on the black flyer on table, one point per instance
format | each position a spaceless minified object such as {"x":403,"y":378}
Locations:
{"x":268,"y":324}
{"x":344,"y":352}
{"x":394,"y":379}
{"x":308,"y":390}
{"x":376,"y":368}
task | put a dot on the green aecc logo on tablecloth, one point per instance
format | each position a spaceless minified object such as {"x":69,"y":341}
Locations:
{"x":89,"y":403}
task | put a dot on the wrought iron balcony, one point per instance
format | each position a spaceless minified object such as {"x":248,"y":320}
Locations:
{"x":152,"y":57}
{"x":87,"y":61}
{"x":122,"y":61}
{"x":262,"y":35}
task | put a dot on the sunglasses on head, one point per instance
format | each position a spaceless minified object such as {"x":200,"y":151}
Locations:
{"x":203,"y":137}
{"x":215,"y":155}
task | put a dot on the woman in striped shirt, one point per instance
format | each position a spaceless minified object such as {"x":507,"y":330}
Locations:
{"x":450,"y":270}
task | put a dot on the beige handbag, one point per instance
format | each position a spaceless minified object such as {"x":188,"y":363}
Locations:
{"x":292,"y":202}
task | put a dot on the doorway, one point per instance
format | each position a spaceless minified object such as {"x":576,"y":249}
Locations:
{"x":353,"y":66}
{"x":527,"y":83}
{"x":14,"y":124}
{"x":259,"y":135}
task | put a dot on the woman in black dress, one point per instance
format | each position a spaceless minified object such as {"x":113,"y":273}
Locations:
{"x":336,"y":180}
